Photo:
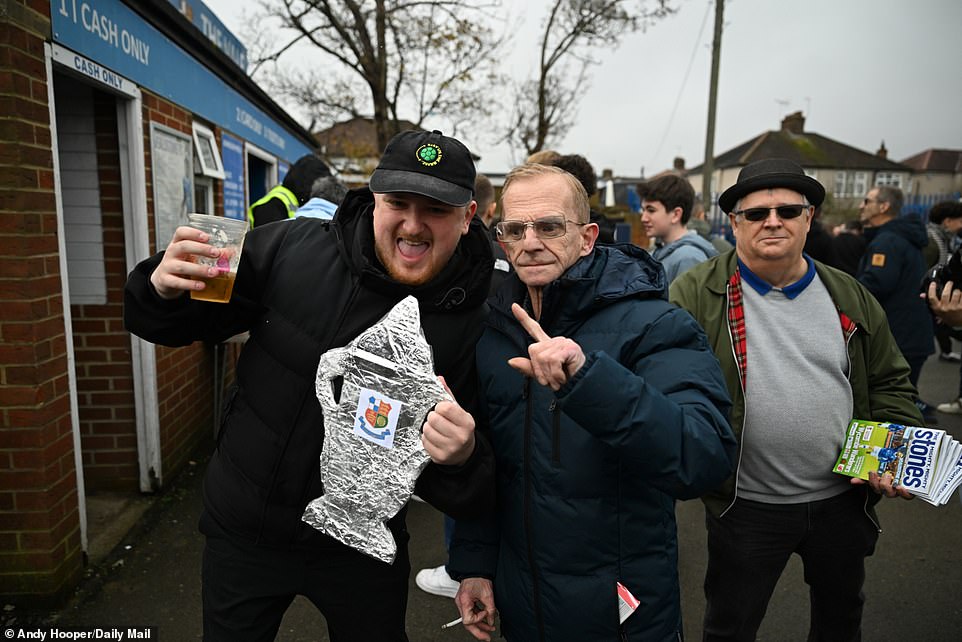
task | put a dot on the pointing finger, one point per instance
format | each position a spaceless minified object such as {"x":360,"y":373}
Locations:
{"x":531,"y":326}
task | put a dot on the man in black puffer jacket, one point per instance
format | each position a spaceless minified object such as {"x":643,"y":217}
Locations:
{"x":305,"y":286}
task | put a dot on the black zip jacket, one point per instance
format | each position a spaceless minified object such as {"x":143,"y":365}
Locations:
{"x":303,"y":287}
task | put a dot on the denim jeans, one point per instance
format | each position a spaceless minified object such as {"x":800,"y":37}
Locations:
{"x":749,"y":547}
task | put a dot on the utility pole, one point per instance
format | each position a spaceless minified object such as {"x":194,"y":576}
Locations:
{"x":708,"y":167}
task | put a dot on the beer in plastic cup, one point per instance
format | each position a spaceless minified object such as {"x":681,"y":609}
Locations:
{"x":227,"y":234}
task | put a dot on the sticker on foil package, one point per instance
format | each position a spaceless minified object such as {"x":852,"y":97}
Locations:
{"x":376,"y":418}
{"x":372,"y":454}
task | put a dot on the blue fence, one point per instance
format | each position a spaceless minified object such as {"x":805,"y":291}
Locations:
{"x":921,"y":203}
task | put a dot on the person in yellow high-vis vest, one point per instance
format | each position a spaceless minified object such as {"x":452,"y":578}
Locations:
{"x":282,"y":201}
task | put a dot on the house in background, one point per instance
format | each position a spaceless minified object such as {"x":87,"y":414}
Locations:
{"x":936,"y":176}
{"x":846,"y":172}
{"x":350,"y":148}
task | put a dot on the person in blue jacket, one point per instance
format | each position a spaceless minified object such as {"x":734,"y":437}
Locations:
{"x":605,"y":405}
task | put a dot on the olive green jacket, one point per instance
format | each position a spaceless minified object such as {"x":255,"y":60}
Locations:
{"x":878,"y":373}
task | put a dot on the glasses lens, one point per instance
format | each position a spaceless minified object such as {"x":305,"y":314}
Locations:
{"x":789,"y":211}
{"x":755,"y":214}
{"x":545,"y":228}
{"x":549,"y":228}
{"x":509,"y":231}
{"x":758,"y":214}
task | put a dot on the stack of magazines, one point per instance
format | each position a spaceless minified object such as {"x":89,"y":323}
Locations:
{"x":924,"y":461}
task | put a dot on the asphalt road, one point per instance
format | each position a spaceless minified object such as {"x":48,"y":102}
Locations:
{"x":914,"y":579}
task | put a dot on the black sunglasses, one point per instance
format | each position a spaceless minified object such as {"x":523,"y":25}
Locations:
{"x":757,"y":214}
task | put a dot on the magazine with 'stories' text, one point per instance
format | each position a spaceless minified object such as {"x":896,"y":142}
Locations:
{"x":926,"y":462}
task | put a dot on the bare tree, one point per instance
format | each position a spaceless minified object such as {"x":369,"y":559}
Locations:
{"x":545,"y":107}
{"x":393,"y":59}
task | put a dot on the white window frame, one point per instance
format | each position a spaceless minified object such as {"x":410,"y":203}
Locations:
{"x":207,"y":184}
{"x":841,"y":183}
{"x":253,"y":150}
{"x":860,"y":187}
{"x":891,"y":179}
{"x":205,"y":137}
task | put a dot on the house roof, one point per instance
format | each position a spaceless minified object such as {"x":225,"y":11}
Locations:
{"x":936,"y":160}
{"x":357,"y":138}
{"x":808,"y":149}
{"x":354,"y":138}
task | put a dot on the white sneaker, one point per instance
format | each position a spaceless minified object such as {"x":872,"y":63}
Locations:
{"x":951,"y":408}
{"x":436,"y":581}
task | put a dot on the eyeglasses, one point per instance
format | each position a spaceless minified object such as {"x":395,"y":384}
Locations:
{"x":756,"y":214}
{"x":550,"y":227}
{"x":867,"y":200}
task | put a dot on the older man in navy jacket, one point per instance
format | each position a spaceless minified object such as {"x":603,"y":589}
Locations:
{"x":605,"y":406}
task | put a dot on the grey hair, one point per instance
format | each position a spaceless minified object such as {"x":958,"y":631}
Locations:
{"x":891,"y":195}
{"x":579,"y":197}
{"x":329,"y":188}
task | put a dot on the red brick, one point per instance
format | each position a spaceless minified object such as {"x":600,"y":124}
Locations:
{"x":29,"y":459}
{"x":32,"y":501}
{"x":32,"y":420}
{"x":19,"y":396}
{"x":20,"y":521}
{"x":115,"y":458}
{"x":22,"y":268}
{"x":29,"y":561}
{"x":8,"y":542}
{"x":108,"y":341}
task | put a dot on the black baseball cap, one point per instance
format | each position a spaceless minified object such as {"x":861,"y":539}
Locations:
{"x":426,"y":163}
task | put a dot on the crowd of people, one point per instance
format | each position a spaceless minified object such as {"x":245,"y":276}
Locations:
{"x":592,"y":385}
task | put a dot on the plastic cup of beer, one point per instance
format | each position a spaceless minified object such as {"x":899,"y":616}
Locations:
{"x":228,"y":235}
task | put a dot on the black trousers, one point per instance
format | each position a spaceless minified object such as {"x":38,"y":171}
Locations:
{"x":749,"y":547}
{"x":247,"y":589}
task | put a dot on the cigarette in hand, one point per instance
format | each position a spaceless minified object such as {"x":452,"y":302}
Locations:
{"x":451,"y":623}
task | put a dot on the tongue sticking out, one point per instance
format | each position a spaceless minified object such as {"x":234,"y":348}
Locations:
{"x":410,"y":249}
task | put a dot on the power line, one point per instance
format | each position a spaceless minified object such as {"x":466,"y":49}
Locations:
{"x":681,"y":90}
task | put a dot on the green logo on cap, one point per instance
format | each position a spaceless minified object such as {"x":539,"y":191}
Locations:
{"x":429,"y":154}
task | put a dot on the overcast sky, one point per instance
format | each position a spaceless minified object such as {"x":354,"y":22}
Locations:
{"x":862,"y":71}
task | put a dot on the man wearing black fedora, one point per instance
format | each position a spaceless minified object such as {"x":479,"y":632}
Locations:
{"x":804,"y":349}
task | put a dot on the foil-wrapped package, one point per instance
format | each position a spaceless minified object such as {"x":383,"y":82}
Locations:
{"x":372,"y":452}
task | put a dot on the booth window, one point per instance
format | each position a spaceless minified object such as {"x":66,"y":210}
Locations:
{"x":203,"y":194}
{"x":261,"y":172}
{"x":207,"y":154}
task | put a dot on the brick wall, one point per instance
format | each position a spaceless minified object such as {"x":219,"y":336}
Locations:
{"x":40,"y":554}
{"x":105,"y":395}
{"x":184,"y":375}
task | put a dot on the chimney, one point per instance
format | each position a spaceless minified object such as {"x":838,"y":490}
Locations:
{"x":607,"y":174}
{"x":794,"y":123}
{"x":882,"y":152}
{"x":679,"y":164}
